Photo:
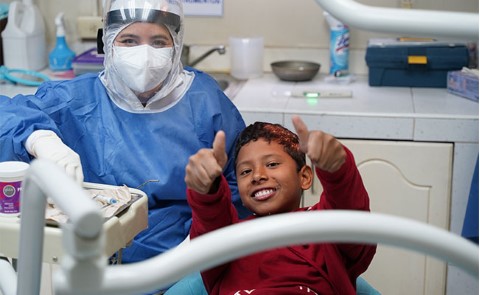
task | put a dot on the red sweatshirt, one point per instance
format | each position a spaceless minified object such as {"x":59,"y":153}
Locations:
{"x":300,"y":269}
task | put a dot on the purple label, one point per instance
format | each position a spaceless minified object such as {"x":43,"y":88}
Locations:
{"x":10,"y":197}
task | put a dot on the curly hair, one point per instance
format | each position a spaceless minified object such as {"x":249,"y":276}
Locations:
{"x":272,"y":132}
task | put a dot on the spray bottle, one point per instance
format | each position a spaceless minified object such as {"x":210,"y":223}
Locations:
{"x":61,"y":57}
{"x":339,"y":46}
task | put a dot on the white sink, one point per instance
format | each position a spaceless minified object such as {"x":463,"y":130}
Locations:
{"x":230,"y":85}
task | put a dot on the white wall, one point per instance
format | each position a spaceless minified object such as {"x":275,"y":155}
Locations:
{"x":283,"y":23}
{"x":292,"y":29}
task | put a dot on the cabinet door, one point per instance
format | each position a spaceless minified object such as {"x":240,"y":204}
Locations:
{"x":411,"y":180}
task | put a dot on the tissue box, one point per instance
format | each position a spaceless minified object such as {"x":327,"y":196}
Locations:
{"x":463,"y":84}
{"x":393,"y":62}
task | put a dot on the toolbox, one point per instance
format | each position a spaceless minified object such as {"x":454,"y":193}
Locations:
{"x":412,"y":63}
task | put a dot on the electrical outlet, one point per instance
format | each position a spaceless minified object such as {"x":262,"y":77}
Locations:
{"x":88,"y":26}
{"x":406,"y":3}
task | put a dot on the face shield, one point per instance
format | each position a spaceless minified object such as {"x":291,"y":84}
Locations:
{"x":118,"y":14}
{"x":125,"y":12}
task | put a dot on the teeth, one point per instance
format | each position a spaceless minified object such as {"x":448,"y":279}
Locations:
{"x":263,"y":193}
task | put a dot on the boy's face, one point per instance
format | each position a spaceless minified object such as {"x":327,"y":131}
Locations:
{"x":268,"y":180}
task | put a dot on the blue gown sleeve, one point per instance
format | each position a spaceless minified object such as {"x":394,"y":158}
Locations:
{"x":231,"y":122}
{"x":470,"y":223}
{"x":19,"y":117}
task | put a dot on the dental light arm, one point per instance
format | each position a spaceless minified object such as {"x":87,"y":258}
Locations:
{"x":426,"y":23}
{"x":231,"y":242}
{"x":82,"y":235}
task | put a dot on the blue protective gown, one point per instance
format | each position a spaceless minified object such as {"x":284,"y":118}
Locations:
{"x":117,"y":147}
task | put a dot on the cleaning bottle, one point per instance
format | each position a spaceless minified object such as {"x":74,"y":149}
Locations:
{"x":339,"y":45}
{"x":23,"y":40}
{"x":61,"y":57}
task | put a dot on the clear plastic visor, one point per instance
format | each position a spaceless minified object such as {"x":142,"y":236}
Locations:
{"x":122,"y":12}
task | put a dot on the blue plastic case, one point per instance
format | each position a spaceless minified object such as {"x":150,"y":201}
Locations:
{"x":413,"y":64}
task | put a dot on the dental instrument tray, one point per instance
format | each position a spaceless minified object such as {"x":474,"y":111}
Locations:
{"x":112,"y":202}
{"x":413,"y":62}
{"x":128,"y":219}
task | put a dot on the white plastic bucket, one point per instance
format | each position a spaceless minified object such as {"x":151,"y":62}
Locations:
{"x":246,"y":57}
{"x":12,"y":174}
{"x":24,"y":43}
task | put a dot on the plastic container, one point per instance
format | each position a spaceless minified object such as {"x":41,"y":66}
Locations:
{"x":12,"y":174}
{"x":24,"y":43}
{"x":246,"y":57}
{"x":3,"y":23}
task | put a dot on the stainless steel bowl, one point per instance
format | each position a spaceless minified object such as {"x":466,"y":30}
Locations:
{"x":291,"y":70}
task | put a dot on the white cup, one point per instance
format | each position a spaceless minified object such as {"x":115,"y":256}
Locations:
{"x":246,"y":56}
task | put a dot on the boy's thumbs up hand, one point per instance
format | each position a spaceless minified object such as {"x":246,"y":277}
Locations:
{"x":219,"y":149}
{"x":325,"y":151}
{"x":206,"y":166}
{"x":302,"y":132}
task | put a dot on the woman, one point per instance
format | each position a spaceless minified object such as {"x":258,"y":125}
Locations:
{"x":135,"y":123}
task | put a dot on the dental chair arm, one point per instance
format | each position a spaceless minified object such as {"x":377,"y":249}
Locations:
{"x":8,"y":278}
{"x":46,"y":179}
{"x":426,"y":23}
{"x":245,"y":238}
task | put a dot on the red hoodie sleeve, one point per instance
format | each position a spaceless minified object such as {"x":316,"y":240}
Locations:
{"x":344,"y":190}
{"x":211,"y":211}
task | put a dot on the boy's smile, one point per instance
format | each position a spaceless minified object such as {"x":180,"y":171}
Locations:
{"x":263,"y":194}
{"x":268,"y":180}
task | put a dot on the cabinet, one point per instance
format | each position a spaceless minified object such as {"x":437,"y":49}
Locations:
{"x":412,"y":180}
{"x":392,"y":116}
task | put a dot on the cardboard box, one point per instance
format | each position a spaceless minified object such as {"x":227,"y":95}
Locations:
{"x":464,"y":84}
{"x":393,"y":62}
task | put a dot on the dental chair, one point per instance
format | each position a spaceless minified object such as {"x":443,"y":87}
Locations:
{"x":84,"y":269}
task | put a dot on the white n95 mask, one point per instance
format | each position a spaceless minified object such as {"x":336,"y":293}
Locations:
{"x":142,"y":67}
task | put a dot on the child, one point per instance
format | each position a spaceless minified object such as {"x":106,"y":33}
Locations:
{"x":272,"y":174}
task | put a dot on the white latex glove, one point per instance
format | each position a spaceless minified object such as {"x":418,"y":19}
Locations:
{"x":45,"y":144}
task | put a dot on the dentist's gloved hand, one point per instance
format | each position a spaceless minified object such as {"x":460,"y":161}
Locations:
{"x":45,"y":144}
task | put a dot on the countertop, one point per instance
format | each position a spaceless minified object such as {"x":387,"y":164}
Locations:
{"x":12,"y":90}
{"x":393,"y":113}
